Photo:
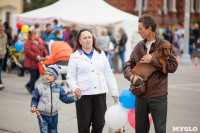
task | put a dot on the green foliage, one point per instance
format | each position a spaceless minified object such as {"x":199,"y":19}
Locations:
{"x":35,"y":4}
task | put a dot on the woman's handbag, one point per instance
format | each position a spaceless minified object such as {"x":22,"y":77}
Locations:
{"x":138,"y":88}
{"x":110,"y":46}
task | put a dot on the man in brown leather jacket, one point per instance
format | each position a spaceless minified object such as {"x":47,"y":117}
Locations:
{"x":154,"y":100}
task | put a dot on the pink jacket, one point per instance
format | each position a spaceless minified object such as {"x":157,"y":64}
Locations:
{"x":32,"y":50}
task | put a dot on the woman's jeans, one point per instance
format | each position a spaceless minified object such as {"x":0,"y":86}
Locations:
{"x":190,"y":50}
{"x":34,"y":76}
{"x":50,"y":122}
{"x":121,"y":55}
{"x":1,"y":65}
{"x":110,"y":56}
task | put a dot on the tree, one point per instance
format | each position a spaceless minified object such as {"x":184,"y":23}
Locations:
{"x":35,"y":4}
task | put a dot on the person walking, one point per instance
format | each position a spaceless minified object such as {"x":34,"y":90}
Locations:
{"x":3,"y":44}
{"x":122,"y":46}
{"x":103,"y":41}
{"x":9,"y":43}
{"x":46,"y":35}
{"x":89,"y":71}
{"x":45,"y":99}
{"x":34,"y":49}
{"x":154,"y":99}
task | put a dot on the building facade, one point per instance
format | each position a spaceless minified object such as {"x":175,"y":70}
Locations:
{"x":166,"y":12}
{"x":8,"y":8}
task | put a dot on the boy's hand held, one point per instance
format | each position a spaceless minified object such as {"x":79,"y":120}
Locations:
{"x":32,"y":109}
{"x":78,"y":93}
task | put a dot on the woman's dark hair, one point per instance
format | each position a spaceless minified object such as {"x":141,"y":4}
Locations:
{"x":56,"y":32}
{"x":77,"y":45}
{"x":148,"y":21}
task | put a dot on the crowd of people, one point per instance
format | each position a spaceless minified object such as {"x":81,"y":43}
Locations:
{"x":90,"y":72}
{"x":175,"y":35}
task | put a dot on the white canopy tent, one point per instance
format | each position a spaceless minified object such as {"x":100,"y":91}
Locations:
{"x":88,"y":13}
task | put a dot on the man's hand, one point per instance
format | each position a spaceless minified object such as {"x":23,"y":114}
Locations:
{"x":135,"y":78}
{"x":146,"y":58}
{"x":78,"y":92}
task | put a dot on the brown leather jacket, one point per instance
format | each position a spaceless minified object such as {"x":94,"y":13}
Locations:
{"x":157,"y":83}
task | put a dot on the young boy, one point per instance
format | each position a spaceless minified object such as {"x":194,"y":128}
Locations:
{"x":45,"y":99}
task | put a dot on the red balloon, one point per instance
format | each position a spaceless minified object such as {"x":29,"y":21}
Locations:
{"x":131,"y":118}
{"x":19,"y":25}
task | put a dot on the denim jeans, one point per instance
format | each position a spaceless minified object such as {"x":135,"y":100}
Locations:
{"x":121,"y":55}
{"x":110,"y":56}
{"x":34,"y":76}
{"x":51,"y":123}
{"x":190,"y":50}
{"x":1,"y":65}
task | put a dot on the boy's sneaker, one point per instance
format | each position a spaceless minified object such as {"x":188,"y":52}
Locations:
{"x":1,"y":86}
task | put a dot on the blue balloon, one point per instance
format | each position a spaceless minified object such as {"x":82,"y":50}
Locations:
{"x":18,"y":46}
{"x":127,"y":99}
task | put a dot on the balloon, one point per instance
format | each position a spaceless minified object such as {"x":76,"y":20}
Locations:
{"x":127,"y":99}
{"x":116,"y":117}
{"x":19,"y":25}
{"x":131,"y":118}
{"x":25,"y":28}
{"x":18,"y":46}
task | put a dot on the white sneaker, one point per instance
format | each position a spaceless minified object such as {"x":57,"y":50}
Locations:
{"x":1,"y":86}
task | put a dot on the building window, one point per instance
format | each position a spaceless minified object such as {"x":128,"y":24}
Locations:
{"x":195,"y":5}
{"x":168,"y":5}
{"x":8,"y":17}
{"x":144,"y":5}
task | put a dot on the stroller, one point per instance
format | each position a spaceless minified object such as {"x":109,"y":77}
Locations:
{"x":15,"y":60}
{"x":59,"y":54}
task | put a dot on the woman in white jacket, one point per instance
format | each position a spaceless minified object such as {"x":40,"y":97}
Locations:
{"x":90,"y":73}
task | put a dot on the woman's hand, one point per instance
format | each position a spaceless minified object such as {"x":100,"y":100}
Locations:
{"x":32,"y":109}
{"x":116,"y":98}
{"x":78,"y":92}
{"x":47,"y":57}
{"x":38,"y":57}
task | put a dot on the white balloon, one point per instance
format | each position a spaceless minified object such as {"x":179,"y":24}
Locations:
{"x":116,"y":116}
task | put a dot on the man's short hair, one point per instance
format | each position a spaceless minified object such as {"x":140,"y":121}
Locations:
{"x":148,"y":21}
{"x":48,"y":25}
{"x":55,"y":21}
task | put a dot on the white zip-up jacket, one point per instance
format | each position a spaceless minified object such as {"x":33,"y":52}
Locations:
{"x":92,"y":76}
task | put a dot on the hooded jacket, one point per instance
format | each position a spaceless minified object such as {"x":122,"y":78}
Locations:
{"x":46,"y":97}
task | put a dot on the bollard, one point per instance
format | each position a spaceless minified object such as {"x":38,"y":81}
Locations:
{"x":178,"y":59}
{"x":196,"y":61}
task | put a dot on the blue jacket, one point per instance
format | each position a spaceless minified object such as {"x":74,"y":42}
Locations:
{"x":46,"y":96}
{"x":46,"y":36}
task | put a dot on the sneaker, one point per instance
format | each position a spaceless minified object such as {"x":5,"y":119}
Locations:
{"x":28,"y":89}
{"x":1,"y":86}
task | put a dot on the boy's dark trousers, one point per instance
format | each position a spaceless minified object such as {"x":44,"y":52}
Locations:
{"x":90,"y":111}
{"x":157,"y":106}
